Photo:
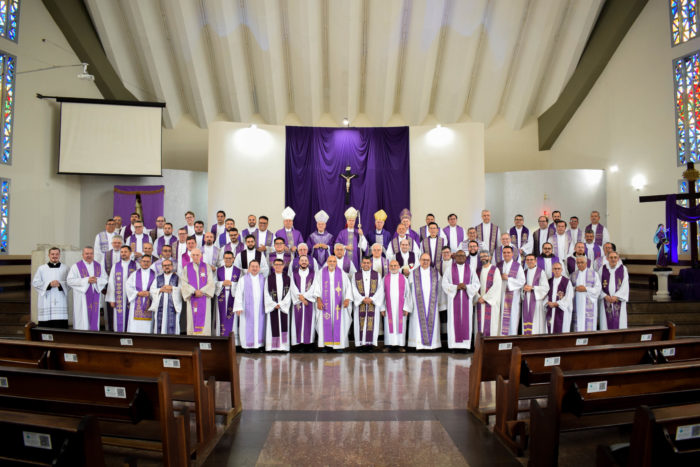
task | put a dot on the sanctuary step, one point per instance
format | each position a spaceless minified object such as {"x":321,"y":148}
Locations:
{"x":685,"y":314}
{"x":15,"y":278}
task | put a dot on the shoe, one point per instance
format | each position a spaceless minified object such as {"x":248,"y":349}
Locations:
{"x":385,"y":350}
{"x":402,"y":349}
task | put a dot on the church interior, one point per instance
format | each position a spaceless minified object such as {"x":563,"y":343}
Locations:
{"x":364,"y":116}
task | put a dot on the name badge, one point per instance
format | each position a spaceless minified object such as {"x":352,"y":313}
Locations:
{"x":597,"y":386}
{"x":582,"y":341}
{"x":552,"y":361}
{"x":505,"y":346}
{"x":36,"y":440}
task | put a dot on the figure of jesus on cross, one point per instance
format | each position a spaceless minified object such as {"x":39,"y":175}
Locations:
{"x":347,"y":176}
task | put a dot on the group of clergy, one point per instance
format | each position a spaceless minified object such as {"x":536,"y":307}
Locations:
{"x":278,"y":292}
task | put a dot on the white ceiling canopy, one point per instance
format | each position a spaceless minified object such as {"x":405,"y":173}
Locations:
{"x":256,"y":60}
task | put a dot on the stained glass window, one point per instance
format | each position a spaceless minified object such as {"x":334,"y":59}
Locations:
{"x":9,"y":19}
{"x":8,"y":68}
{"x":685,"y":230}
{"x":686,"y":77}
{"x":684,"y":20}
{"x":4,"y":214}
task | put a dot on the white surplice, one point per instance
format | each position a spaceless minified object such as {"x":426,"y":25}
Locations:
{"x":53,"y":301}
{"x":492,"y":297}
{"x":228,"y":291}
{"x":565,"y":303}
{"x":188,"y":291}
{"x":174,"y":297}
{"x":254,"y":317}
{"x":580,"y":298}
{"x":622,"y":294}
{"x":414,"y":329}
{"x":391,"y":298}
{"x":139,"y":325}
{"x":345,"y":315}
{"x":297,"y":293}
{"x":514,"y":284}
{"x":284,"y":303}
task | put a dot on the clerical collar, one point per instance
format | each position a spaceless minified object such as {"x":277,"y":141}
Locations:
{"x":287,"y":230}
{"x":54,"y":265}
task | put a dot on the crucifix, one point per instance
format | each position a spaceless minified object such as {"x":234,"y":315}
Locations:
{"x":691,"y":175}
{"x":347,"y":176}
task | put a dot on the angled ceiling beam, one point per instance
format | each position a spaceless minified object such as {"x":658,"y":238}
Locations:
{"x":73,"y":20}
{"x":615,"y":19}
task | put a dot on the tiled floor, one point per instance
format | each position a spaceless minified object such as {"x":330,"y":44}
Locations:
{"x":357,"y":409}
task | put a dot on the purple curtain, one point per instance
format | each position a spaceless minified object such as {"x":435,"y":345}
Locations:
{"x":315,"y":158}
{"x":674,"y":212}
{"x":152,"y":198}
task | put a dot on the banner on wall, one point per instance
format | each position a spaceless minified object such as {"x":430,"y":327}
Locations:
{"x":147,"y":200}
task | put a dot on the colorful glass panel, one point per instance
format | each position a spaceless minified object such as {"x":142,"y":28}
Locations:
{"x":686,"y":77}
{"x":4,"y":214}
{"x":685,"y":230}
{"x":684,"y":20}
{"x":8,"y":69}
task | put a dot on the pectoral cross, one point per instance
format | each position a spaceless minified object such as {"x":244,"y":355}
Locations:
{"x":347,"y":176}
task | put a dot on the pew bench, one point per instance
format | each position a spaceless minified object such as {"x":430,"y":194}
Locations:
{"x":492,"y":355}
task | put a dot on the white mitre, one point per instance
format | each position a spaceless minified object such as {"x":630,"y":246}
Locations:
{"x":351,"y":213}
{"x":288,"y":214}
{"x":321,"y":216}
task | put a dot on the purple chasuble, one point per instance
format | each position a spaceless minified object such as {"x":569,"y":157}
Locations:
{"x":524,"y":236}
{"x":321,"y":254}
{"x":303,"y":314}
{"x":426,"y":318}
{"x":142,"y":304}
{"x":530,"y":303}
{"x":225,"y":307}
{"x":367,"y":311}
{"x":119,"y":284}
{"x":461,"y":305}
{"x":198,"y":279}
{"x":556,"y":328}
{"x":612,"y":310}
{"x":389,"y":315}
{"x":346,"y":237}
{"x":332,"y":318}
{"x":92,"y":297}
{"x":171,"y":312}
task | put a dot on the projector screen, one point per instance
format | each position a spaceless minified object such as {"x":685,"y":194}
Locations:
{"x":104,"y":138}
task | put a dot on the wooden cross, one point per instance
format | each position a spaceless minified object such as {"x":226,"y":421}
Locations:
{"x":691,"y":175}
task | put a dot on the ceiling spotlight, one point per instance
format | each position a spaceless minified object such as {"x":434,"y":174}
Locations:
{"x":346,"y":122}
{"x":614,"y":168}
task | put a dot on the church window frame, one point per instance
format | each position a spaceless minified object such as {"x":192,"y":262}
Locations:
{"x":8,"y":82}
{"x":686,"y":86}
{"x":5,"y":186}
{"x":684,"y":21}
{"x":684,"y":229}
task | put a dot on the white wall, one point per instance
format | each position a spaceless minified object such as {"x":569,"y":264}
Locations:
{"x":184,"y":190}
{"x":44,"y":207}
{"x":531,"y":193}
{"x":246,"y":172}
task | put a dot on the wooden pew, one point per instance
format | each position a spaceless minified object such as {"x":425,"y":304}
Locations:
{"x":218,"y":353}
{"x":183,"y":368}
{"x":660,"y":437}
{"x":50,"y":440}
{"x":137,"y":402}
{"x":607,"y":397}
{"x":492,"y":354}
{"x":534,"y":368}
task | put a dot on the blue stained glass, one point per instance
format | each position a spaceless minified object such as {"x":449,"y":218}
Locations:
{"x":685,"y":230}
{"x":686,"y":77}
{"x":684,"y":22}
{"x":4,"y":220}
{"x":8,"y":66}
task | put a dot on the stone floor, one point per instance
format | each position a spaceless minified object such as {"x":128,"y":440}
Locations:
{"x":357,"y":409}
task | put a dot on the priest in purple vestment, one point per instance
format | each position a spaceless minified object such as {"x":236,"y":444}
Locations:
{"x":321,"y":240}
{"x":198,"y":287}
{"x":599,"y":230}
{"x":353,"y":238}
{"x":379,"y":234}
{"x":405,"y":217}
{"x":559,"y":306}
{"x":291,"y":236}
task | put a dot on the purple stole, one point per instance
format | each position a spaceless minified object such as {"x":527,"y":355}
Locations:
{"x":346,"y":263}
{"x":226,"y":316}
{"x":558,"y":312}
{"x":214,"y":256}
{"x":186,"y":259}
{"x":486,"y":328}
{"x":350,"y":241}
{"x":493,"y":236}
{"x":598,"y":233}
{"x":396,"y":247}
{"x":461,"y":306}
{"x":597,"y":252}
{"x":554,"y":240}
{"x":249,"y":305}
{"x":530,"y":304}
{"x":366,"y":309}
{"x":331,"y":318}
{"x":214,"y":230}
{"x":223,"y":238}
{"x":268,"y":239}
{"x":578,"y":238}
{"x":590,"y":282}
{"x":571,"y":264}
{"x":240,"y":247}
{"x":423,"y":232}
{"x":198,"y":279}
{"x":435,"y":256}
{"x":612,"y":310}
{"x":170,"y":323}
{"x":92,"y":297}
{"x":279,"y":327}
{"x":499,"y":254}
{"x":402,"y":291}
{"x":411,"y":259}
{"x":541,"y":263}
{"x":426,"y":318}
{"x":161,"y":243}
{"x":385,"y":265}
{"x":536,"y":242}
{"x":551,"y":229}
{"x":119,"y":281}
{"x":141,"y":311}
{"x":508,"y":298}
{"x":104,"y":242}
{"x":460,"y":235}
{"x":524,"y":235}
{"x":134,"y":242}
{"x":286,"y":257}
{"x":301,"y":310}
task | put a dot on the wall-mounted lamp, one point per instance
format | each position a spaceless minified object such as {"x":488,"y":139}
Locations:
{"x":638,"y":182}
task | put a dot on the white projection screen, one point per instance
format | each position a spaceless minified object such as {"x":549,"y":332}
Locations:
{"x":108,"y":138}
